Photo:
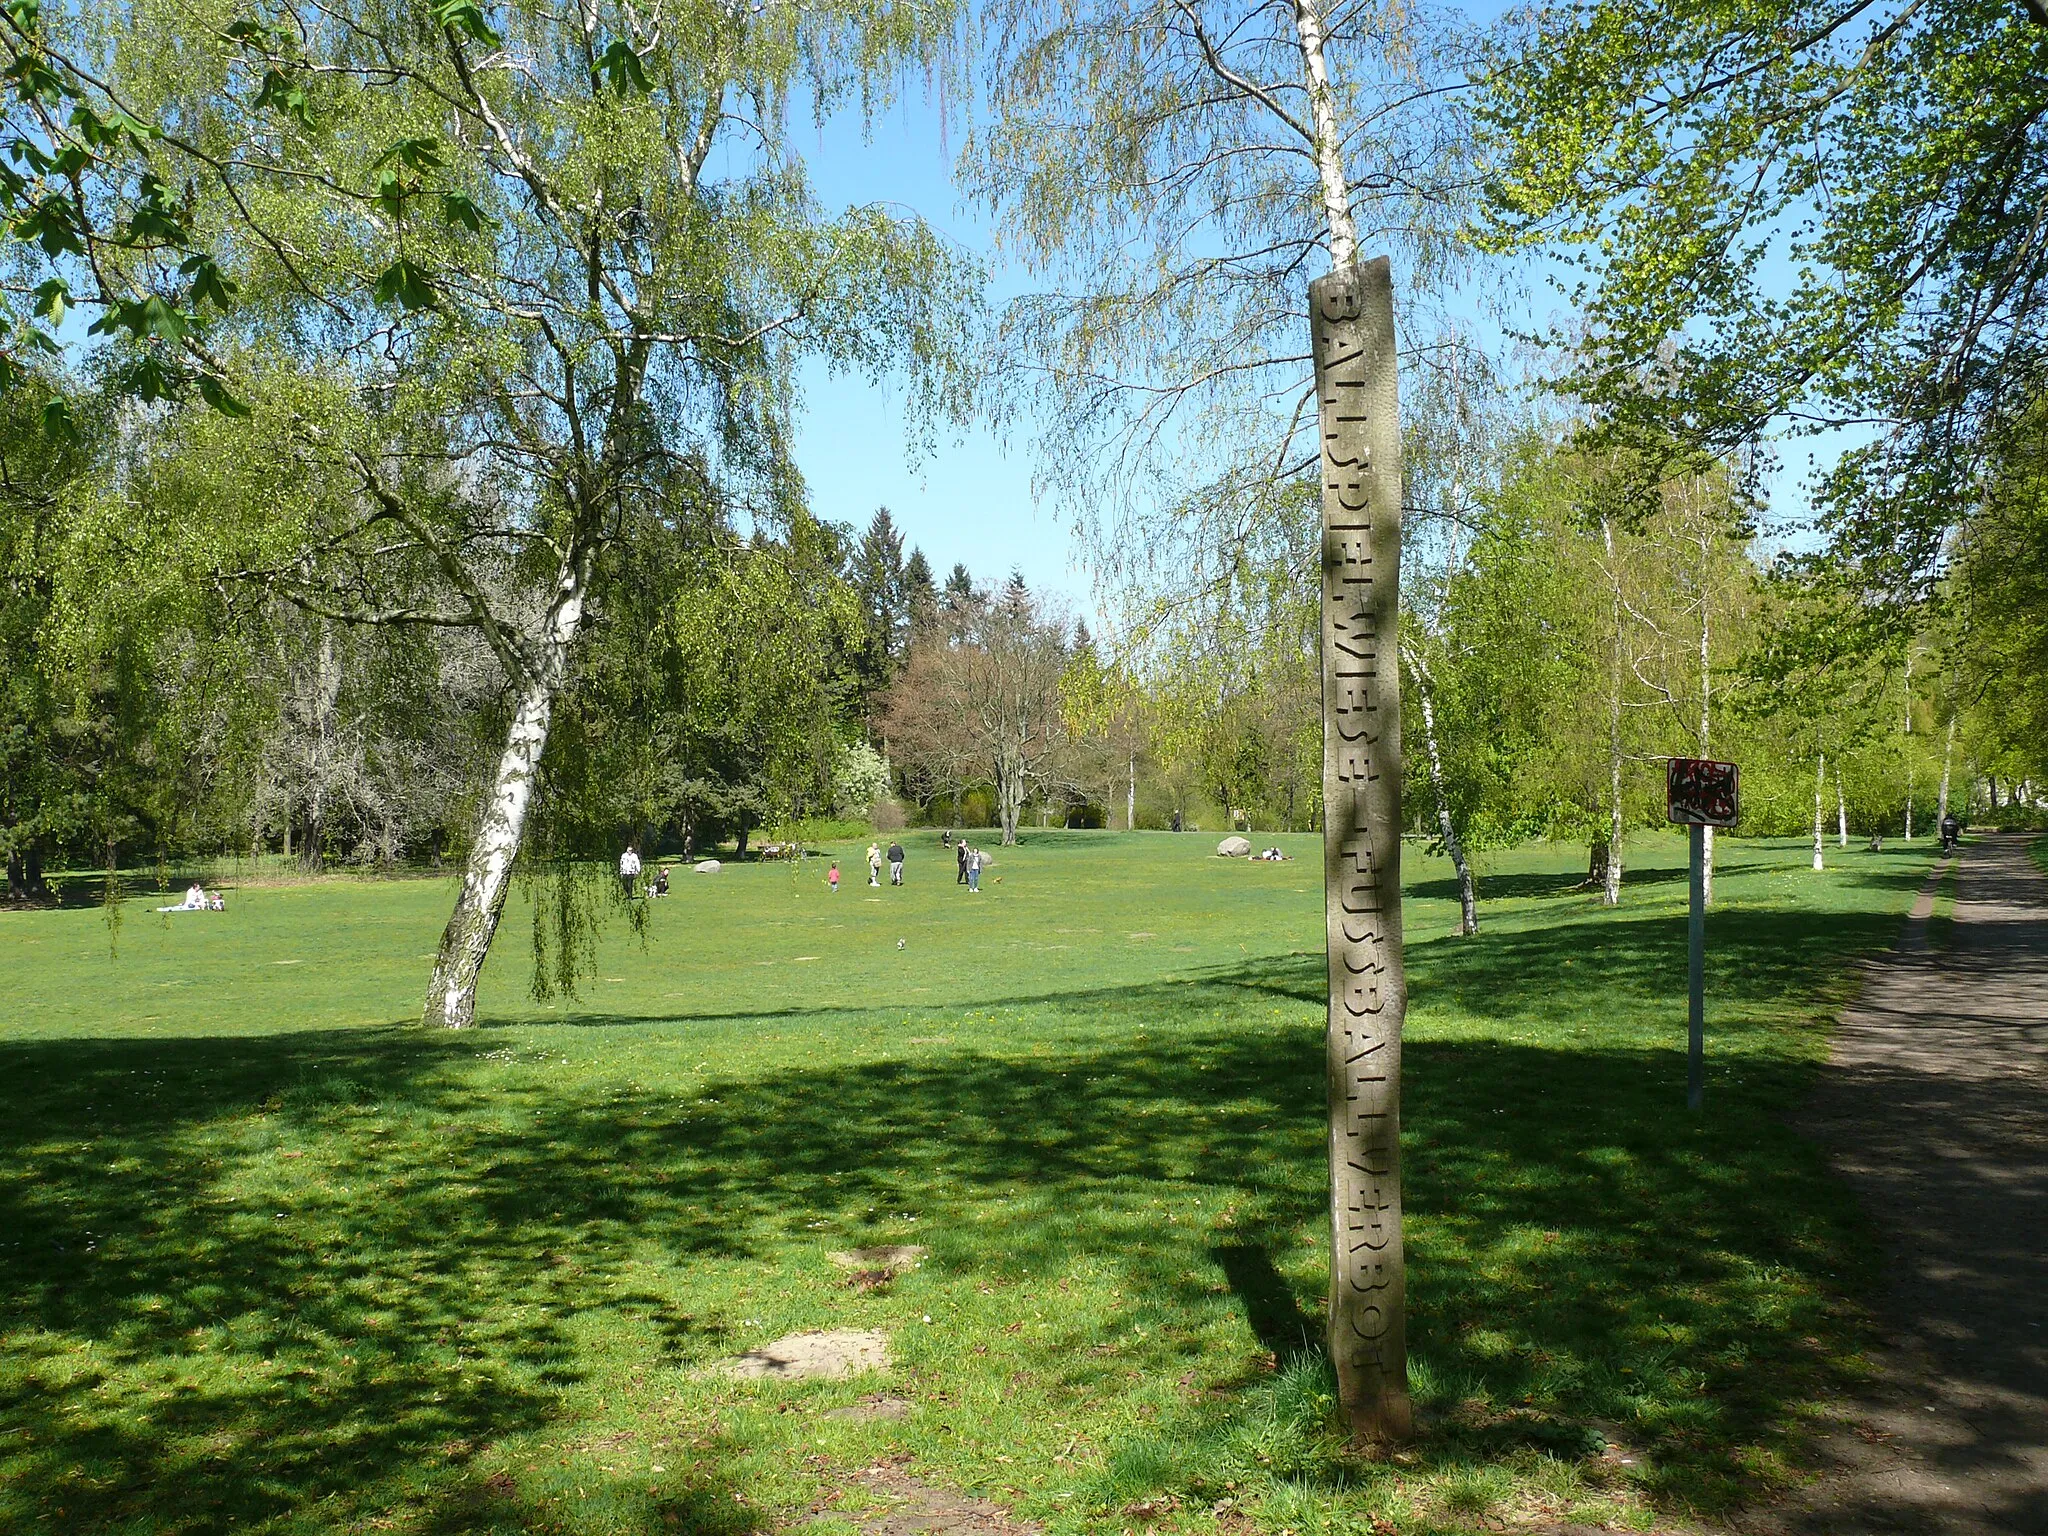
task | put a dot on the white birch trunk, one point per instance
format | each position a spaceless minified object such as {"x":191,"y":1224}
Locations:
{"x":1329,"y":146}
{"x":1468,"y":908}
{"x":466,"y":941}
{"x":1820,"y":784}
{"x":1131,"y":797}
{"x":1948,"y":752}
{"x":1841,"y":813}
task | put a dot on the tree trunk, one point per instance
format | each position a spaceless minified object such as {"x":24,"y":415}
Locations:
{"x":1820,"y":782}
{"x":1352,"y":339}
{"x":1131,"y":797}
{"x":466,"y":941}
{"x":1468,"y":908}
{"x":17,"y":876}
{"x":1841,"y":813}
{"x":1948,"y":752}
{"x":1009,"y":799}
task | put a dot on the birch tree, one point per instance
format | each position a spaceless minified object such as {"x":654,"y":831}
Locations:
{"x":462,"y":284}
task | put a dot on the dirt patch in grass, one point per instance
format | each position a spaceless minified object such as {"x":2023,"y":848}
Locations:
{"x":829,"y":1355}
{"x":908,"y":1507}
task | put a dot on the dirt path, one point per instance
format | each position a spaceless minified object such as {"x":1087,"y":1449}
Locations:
{"x":1935,"y":1108}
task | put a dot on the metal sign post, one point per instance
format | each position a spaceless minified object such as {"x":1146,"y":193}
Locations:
{"x":1699,"y":794}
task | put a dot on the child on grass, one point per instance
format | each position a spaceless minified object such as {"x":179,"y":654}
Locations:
{"x":832,"y":877}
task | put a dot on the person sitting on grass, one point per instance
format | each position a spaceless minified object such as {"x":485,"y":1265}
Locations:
{"x":660,"y":885}
{"x":217,"y":902}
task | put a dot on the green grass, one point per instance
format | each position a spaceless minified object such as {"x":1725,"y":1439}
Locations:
{"x":272,"y":1258}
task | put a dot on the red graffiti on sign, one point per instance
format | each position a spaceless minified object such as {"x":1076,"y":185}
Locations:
{"x":1702,"y":793}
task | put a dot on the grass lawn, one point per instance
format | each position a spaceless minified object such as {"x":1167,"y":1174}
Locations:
{"x":273,"y":1258}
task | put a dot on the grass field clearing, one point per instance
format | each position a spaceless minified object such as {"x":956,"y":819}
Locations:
{"x":276,"y":1259}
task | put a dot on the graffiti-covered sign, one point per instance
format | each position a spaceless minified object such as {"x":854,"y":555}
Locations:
{"x":1700,"y":793}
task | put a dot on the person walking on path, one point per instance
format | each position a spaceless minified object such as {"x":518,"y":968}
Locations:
{"x":629,"y":869}
{"x":974,"y":870}
{"x":1934,"y":1108}
{"x":832,"y":877}
{"x":960,"y":858}
{"x":895,"y":863}
{"x":874,"y":865}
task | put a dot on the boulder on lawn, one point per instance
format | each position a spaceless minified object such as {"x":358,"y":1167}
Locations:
{"x":708,"y":867}
{"x":1234,"y":848}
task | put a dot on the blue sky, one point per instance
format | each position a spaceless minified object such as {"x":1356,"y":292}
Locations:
{"x":969,"y":500}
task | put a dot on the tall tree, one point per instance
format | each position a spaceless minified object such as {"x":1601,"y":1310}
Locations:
{"x":878,"y":579}
{"x":521,"y":286}
{"x":1807,"y":213}
{"x":985,"y":707}
{"x":920,"y":597}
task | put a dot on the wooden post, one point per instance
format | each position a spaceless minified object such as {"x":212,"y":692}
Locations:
{"x":1352,"y":335}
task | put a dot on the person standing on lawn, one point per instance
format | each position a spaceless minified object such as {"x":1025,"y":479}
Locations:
{"x":974,"y":870}
{"x":629,"y":869}
{"x":895,"y":863}
{"x":874,"y":865}
{"x":832,"y":877}
{"x":960,"y":858}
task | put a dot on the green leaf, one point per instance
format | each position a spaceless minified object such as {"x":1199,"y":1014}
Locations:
{"x":57,"y":421}
{"x":464,"y":16}
{"x":458,"y":209}
{"x":621,"y":65}
{"x":391,"y":193}
{"x":151,"y":381}
{"x":52,"y":297}
{"x":52,"y":224}
{"x":413,"y":154}
{"x":209,"y":284}
{"x":215,"y":394}
{"x":285,"y":94}
{"x":26,"y":14}
{"x":405,"y":284}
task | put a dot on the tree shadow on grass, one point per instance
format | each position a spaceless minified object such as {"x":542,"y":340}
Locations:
{"x":211,"y":1342}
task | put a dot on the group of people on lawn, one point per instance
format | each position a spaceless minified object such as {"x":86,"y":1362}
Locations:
{"x":969,"y":859}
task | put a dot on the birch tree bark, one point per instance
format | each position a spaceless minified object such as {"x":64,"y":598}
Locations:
{"x":1820,"y":780}
{"x":487,"y":875}
{"x":1841,"y":813}
{"x":1948,"y":752}
{"x":1425,"y":685}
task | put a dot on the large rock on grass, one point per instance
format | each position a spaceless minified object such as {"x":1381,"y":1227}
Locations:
{"x":1234,"y":848}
